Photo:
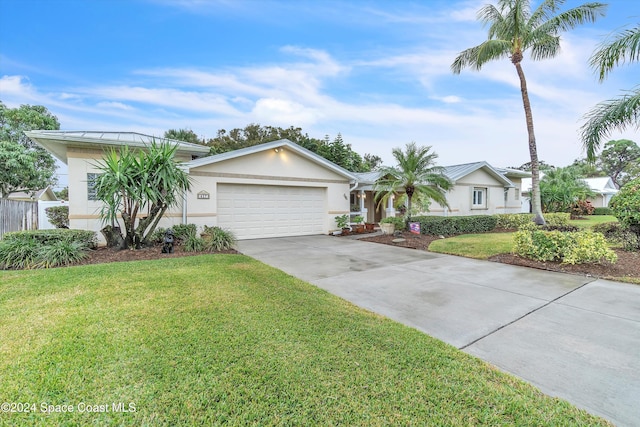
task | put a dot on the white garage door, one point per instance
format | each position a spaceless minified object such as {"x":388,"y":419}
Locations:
{"x":257,"y":211}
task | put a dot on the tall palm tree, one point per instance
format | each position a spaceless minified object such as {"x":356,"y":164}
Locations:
{"x":615,"y":113}
{"x":513,"y":29}
{"x":415,"y":174}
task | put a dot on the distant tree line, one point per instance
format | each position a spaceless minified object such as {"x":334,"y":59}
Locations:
{"x":335,"y":150}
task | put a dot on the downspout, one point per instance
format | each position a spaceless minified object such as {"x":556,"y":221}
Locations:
{"x":184,"y":207}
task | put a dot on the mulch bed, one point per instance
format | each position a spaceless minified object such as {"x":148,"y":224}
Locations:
{"x":628,"y":264}
{"x":106,"y":255}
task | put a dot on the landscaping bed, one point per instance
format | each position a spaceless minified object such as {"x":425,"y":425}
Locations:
{"x":628,"y":264}
{"x":106,"y":255}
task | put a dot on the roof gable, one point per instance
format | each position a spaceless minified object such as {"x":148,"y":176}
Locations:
{"x":457,"y":172}
{"x":282,"y":144}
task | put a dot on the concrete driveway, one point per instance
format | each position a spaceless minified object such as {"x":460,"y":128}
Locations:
{"x":574,"y":337}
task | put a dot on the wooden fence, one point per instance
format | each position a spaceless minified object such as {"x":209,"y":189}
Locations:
{"x":17,"y":216}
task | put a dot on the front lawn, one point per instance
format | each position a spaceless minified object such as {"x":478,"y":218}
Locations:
{"x":479,"y":246}
{"x":224,"y":339}
{"x":591,"y":220}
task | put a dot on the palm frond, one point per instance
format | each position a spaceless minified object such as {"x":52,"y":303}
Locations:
{"x":625,"y":47}
{"x":618,"y":113}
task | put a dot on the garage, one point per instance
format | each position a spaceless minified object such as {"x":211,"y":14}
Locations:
{"x":260,"y":211}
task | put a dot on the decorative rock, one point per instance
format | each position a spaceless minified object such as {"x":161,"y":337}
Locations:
{"x":399,"y":240}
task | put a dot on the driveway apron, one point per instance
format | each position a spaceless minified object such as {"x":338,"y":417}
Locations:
{"x":572,"y":336}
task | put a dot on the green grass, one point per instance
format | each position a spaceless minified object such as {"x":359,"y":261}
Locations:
{"x":224,"y":339}
{"x":592,"y":220}
{"x":479,"y":246}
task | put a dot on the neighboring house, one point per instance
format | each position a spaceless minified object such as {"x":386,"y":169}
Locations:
{"x":269,"y":190}
{"x":45,"y":198}
{"x":603,"y":187}
{"x":45,"y":194}
{"x":479,"y":189}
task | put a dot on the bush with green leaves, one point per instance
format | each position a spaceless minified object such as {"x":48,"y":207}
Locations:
{"x":557,"y":218}
{"x":45,"y":248}
{"x":582,"y":208}
{"x":182,"y":231}
{"x":452,"y":225}
{"x":512,"y":221}
{"x":399,"y":223}
{"x":625,"y":206}
{"x":568,"y":247}
{"x":218,"y":239}
{"x":58,"y":216}
{"x":602,"y":211}
{"x":617,"y":234}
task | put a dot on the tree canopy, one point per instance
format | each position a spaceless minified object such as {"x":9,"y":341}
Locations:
{"x":25,"y":166}
{"x":620,"y":159}
{"x":335,"y":150}
{"x":515,"y":28}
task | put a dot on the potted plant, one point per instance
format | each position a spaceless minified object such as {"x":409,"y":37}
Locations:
{"x":369,"y":226}
{"x":359,"y":221}
{"x":342,"y":221}
{"x":389,"y":224}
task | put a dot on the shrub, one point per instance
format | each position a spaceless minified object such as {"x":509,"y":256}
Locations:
{"x":447,"y":226}
{"x":193,"y":243}
{"x":58,"y":216}
{"x":60,"y":253}
{"x":342,"y":221}
{"x":218,"y":239}
{"x":181,"y":232}
{"x":569,"y":247}
{"x":618,"y":234}
{"x":45,"y":248}
{"x":564,"y":228}
{"x":44,"y":237}
{"x":512,"y":221}
{"x":625,"y":205}
{"x":582,"y":208}
{"x":399,"y":223}
{"x":557,"y":218}
{"x":602,"y":211}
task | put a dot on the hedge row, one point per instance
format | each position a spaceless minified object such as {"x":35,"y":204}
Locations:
{"x":451,"y":225}
{"x":45,"y":248}
{"x":515,"y":221}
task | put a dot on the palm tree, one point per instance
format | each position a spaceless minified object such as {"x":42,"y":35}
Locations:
{"x":415,"y":174}
{"x":513,"y":29}
{"x":561,"y":188}
{"x":615,"y":113}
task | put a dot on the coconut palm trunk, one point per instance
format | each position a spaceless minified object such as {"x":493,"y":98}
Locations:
{"x":536,"y":204}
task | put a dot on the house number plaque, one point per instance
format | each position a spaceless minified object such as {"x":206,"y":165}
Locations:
{"x":203,"y":195}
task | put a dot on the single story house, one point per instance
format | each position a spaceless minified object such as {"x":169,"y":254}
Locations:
{"x":269,"y":190}
{"x":603,"y":187}
{"x":274,"y":189}
{"x":478,"y":189}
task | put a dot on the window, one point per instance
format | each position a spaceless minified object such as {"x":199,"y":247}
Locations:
{"x":91,"y":186}
{"x":479,"y":198}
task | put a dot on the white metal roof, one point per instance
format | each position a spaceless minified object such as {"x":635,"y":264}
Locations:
{"x":57,"y":141}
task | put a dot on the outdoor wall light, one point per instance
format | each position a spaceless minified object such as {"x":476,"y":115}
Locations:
{"x":277,"y":150}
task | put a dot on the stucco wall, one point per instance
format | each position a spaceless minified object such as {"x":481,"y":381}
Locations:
{"x":460,"y":198}
{"x":285,"y":168}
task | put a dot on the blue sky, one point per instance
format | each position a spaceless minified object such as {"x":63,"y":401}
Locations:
{"x":375,"y":71}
